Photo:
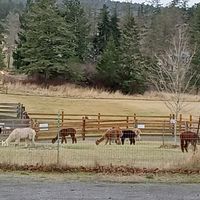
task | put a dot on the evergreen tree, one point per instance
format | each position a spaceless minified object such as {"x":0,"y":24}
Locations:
{"x":195,"y":34}
{"x":103,"y":32}
{"x":108,"y":66}
{"x":48,"y":42}
{"x":131,"y":70}
{"x":115,"y":31}
{"x":75,"y":18}
{"x":2,"y":64}
{"x":18,"y":55}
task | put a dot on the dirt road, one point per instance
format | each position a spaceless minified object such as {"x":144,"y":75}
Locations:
{"x":24,"y":187}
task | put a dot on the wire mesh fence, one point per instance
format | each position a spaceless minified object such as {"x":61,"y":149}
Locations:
{"x":148,"y":153}
{"x":158,"y":151}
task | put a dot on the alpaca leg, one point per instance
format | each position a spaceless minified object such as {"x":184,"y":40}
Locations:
{"x":33,"y":140}
{"x":134,"y":141}
{"x":17,"y":142}
{"x":182,"y":146}
{"x":110,"y":140}
{"x":118,"y":141}
{"x":62,"y":140}
{"x":186,"y":146}
{"x":122,"y":140}
{"x":65,"y":140}
{"x":131,"y":141}
{"x":107,"y":139}
{"x":26,"y":142}
{"x":194,"y":144}
{"x":74,"y":140}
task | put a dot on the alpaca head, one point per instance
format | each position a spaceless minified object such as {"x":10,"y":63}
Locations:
{"x":54,"y":140}
{"x":97,"y":142}
{"x":4,"y":143}
{"x":138,"y":134}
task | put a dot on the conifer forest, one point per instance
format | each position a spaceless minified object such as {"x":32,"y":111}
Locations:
{"x":117,"y":46}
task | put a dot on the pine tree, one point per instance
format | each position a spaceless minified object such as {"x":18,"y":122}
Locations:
{"x":18,"y":55}
{"x":131,"y":67}
{"x":108,"y":66}
{"x":115,"y":31}
{"x":75,"y":18}
{"x":2,"y":64}
{"x":195,"y":34}
{"x":48,"y":42}
{"x":103,"y":32}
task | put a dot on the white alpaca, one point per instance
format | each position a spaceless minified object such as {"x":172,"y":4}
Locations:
{"x":20,"y":133}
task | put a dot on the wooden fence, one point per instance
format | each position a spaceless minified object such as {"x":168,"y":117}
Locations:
{"x":94,"y":125}
{"x":11,"y":110}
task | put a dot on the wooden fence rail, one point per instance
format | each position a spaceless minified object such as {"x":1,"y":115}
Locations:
{"x":11,"y":110}
{"x":94,"y":125}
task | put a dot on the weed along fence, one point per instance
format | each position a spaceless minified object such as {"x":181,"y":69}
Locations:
{"x":93,"y":125}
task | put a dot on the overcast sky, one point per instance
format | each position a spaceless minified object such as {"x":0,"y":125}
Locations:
{"x":164,"y":2}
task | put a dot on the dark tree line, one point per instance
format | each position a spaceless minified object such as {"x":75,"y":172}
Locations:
{"x":61,"y":41}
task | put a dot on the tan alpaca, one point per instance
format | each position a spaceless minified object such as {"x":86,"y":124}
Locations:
{"x":113,"y":133}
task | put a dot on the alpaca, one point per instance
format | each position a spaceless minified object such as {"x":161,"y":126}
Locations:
{"x":188,"y":137}
{"x":132,"y":134}
{"x":113,"y":133}
{"x":20,"y":133}
{"x":65,"y":132}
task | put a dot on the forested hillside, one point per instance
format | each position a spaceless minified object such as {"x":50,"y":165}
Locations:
{"x":116,"y":46}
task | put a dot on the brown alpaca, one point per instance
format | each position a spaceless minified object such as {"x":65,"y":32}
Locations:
{"x":65,"y":132}
{"x":188,"y":137}
{"x":113,"y":133}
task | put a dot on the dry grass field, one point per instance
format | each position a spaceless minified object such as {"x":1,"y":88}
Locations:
{"x":35,"y":103}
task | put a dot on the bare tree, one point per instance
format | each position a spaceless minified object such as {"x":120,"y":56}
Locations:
{"x":172,"y":75}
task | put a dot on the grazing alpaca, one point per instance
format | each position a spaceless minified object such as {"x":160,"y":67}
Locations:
{"x":187,"y":137}
{"x":20,"y":133}
{"x":65,"y":132}
{"x":113,"y":133}
{"x":131,"y":134}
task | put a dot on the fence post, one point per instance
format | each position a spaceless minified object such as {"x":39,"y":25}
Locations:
{"x":180,"y":123}
{"x":99,"y":121}
{"x":127,"y":121}
{"x":198,"y":126}
{"x":163,"y":135}
{"x":190,"y":121}
{"x":186,"y":126}
{"x":83,"y":128}
{"x":58,"y":134}
{"x":63,"y":115}
{"x":135,"y":121}
{"x":18,"y":111}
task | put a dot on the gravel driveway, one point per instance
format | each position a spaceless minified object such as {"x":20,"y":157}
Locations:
{"x":20,"y":187}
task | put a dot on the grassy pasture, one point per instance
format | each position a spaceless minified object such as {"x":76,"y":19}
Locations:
{"x":86,"y":153}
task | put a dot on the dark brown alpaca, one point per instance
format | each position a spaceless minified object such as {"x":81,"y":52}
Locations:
{"x":65,"y":132}
{"x":188,"y":137}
